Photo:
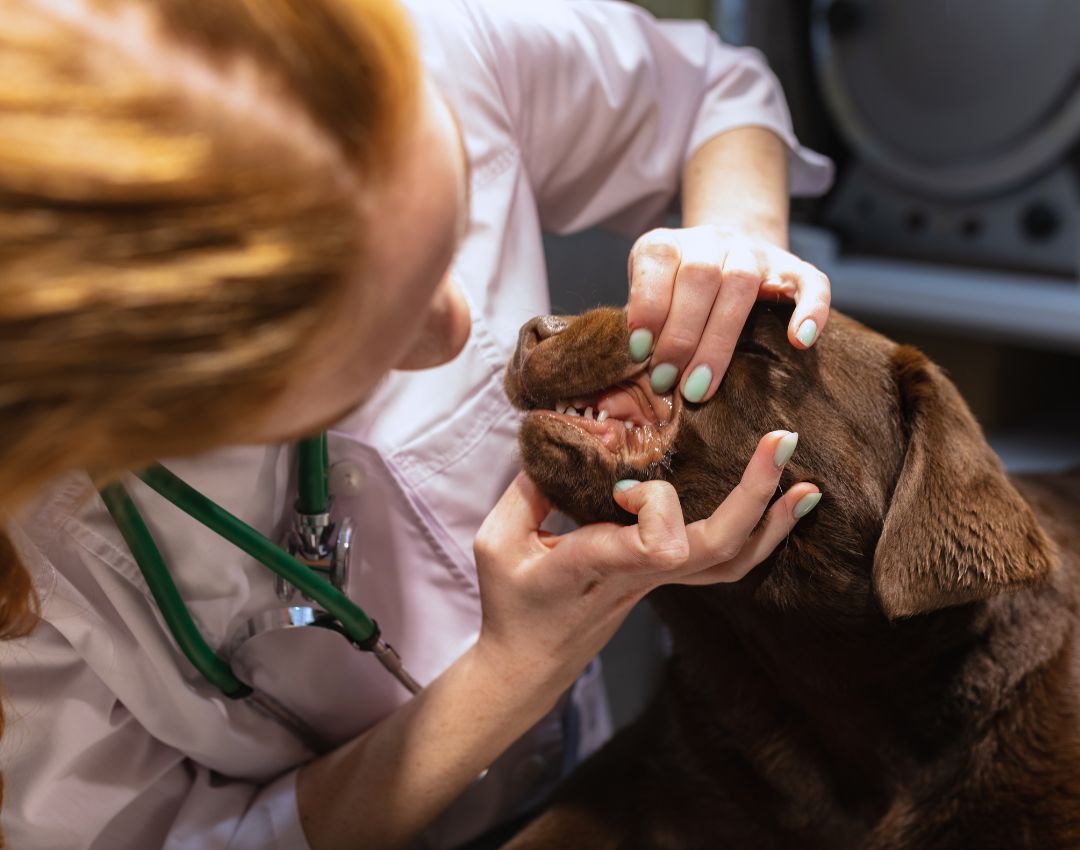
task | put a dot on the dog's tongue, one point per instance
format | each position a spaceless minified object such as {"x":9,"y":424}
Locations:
{"x":620,"y":404}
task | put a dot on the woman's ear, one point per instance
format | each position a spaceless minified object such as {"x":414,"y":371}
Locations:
{"x":956,"y":530}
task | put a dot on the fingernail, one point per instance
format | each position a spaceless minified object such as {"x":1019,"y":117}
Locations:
{"x":626,"y":484}
{"x":786,"y":448}
{"x":697,"y":384}
{"x":640,"y":344}
{"x":806,"y":504}
{"x":663,"y":377}
{"x":807,"y":332}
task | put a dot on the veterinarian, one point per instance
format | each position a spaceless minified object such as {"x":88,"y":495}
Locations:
{"x":223,"y":223}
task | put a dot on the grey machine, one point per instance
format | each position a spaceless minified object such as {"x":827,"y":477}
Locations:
{"x":961,"y":119}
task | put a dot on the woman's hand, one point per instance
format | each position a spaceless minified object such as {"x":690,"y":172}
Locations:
{"x":550,"y":603}
{"x":691,"y":290}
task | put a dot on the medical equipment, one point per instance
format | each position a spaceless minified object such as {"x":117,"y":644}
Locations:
{"x":314,"y":569}
{"x":955,"y":126}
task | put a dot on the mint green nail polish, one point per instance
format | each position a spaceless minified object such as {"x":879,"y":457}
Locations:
{"x":640,"y":344}
{"x":785,"y":449}
{"x":625,"y":484}
{"x":807,"y":332}
{"x":663,"y":377}
{"x":806,"y":504}
{"x":697,"y":384}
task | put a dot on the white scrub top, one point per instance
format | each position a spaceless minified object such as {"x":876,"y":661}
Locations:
{"x":574,"y":114}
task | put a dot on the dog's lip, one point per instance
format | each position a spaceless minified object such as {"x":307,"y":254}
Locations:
{"x":631,"y":422}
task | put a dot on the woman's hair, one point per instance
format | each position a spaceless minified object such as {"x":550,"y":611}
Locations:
{"x":181,"y":186}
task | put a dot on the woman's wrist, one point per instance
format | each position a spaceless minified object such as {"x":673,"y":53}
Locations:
{"x":747,"y":226}
{"x":381,"y":789}
{"x":522,"y":678}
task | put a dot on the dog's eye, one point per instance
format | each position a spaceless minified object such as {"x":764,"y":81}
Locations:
{"x":755,"y":349}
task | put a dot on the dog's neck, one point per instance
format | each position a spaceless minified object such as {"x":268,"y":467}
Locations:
{"x":855,"y":707}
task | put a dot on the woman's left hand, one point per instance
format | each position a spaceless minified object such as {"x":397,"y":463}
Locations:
{"x":691,"y":290}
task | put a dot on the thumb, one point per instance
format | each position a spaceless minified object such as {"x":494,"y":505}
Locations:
{"x":520,"y":511}
{"x":661,"y":530}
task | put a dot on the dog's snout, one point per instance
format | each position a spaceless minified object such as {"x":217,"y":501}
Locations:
{"x":532,"y":333}
{"x":535,"y":331}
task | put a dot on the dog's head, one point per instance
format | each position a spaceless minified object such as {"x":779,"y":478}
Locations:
{"x":917,"y":514}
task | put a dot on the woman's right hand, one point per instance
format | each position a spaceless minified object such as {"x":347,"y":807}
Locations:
{"x":551,"y":602}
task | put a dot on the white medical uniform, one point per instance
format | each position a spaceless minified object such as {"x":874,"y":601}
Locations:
{"x":574,"y":114}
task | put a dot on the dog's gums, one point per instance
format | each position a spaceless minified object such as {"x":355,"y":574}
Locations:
{"x":632,"y":424}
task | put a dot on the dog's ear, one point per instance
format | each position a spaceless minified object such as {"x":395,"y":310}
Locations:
{"x":956,"y":529}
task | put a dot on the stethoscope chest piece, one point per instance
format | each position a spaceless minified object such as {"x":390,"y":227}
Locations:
{"x":322,"y":545}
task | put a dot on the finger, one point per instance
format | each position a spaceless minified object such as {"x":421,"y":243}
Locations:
{"x":697,"y":283}
{"x":813,"y":295}
{"x":655,"y":544}
{"x":780,"y":520}
{"x":653,"y":262}
{"x":722,"y":536}
{"x":660,"y":528}
{"x":516,"y":517}
{"x":739,"y":288}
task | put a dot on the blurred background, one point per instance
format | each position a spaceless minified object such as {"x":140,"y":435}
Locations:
{"x":953,"y":224}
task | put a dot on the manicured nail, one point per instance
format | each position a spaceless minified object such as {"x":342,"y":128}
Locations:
{"x":697,"y":384}
{"x":640,"y":344}
{"x":663,"y":377}
{"x":806,"y":504}
{"x":626,"y":484}
{"x":807,"y":332}
{"x":786,"y":448}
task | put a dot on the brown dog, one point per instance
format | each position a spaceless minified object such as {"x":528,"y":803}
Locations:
{"x":899,"y":675}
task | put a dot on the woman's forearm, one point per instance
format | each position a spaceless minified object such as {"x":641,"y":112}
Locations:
{"x":739,"y":180}
{"x":380,"y":790}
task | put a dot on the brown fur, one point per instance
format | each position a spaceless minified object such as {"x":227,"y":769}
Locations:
{"x":899,"y":675}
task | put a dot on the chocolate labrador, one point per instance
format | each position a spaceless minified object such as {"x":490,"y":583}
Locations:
{"x":899,"y":675}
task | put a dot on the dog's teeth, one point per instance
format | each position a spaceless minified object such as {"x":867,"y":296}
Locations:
{"x":588,"y":413}
{"x":560,"y":407}
{"x":628,"y":425}
{"x":572,"y":411}
{"x":602,"y":416}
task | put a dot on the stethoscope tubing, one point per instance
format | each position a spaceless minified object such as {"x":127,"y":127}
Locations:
{"x":349,"y":618}
{"x":358,"y":627}
{"x":313,"y":485}
{"x":163,"y":589}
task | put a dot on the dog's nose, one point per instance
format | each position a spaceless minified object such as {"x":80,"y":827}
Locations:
{"x":537,"y":330}
{"x":540,"y":328}
{"x":546,"y":326}
{"x":532,"y":333}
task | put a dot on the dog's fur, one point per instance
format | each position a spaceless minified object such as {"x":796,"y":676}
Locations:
{"x":899,"y":675}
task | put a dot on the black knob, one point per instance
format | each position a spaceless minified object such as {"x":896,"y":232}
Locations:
{"x":1040,"y":221}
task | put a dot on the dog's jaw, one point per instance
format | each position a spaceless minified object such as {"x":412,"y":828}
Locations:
{"x":591,"y":416}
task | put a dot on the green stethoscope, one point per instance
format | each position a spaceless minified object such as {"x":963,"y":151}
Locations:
{"x":313,"y":568}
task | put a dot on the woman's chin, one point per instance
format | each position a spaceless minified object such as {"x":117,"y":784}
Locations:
{"x":443,"y":335}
